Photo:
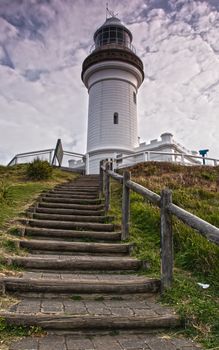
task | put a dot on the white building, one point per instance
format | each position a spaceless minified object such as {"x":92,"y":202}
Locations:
{"x":113,"y":73}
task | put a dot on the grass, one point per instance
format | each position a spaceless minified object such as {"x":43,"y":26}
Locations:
{"x":7,"y":332}
{"x":195,"y":189}
{"x":76,"y":297}
{"x":17,"y":193}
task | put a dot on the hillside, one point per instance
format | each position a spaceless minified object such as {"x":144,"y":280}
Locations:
{"x":195,"y":189}
{"x":196,"y":260}
{"x":17,"y":193}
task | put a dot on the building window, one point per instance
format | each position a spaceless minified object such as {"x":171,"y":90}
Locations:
{"x":116,"y":118}
{"x":134,"y":97}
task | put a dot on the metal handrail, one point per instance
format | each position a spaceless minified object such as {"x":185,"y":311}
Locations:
{"x":182,"y":155}
{"x":41,"y":152}
{"x":29,"y":154}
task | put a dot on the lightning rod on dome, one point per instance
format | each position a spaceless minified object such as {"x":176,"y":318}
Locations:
{"x":110,"y":13}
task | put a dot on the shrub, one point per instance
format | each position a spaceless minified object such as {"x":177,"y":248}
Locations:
{"x":5,"y":194}
{"x":39,"y":170}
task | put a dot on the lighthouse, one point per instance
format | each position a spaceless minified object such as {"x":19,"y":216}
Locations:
{"x":112,"y":74}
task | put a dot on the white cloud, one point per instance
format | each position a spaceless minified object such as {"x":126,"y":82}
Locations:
{"x":44,"y":43}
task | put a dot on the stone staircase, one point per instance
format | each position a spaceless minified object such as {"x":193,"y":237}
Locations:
{"x":79,"y":278}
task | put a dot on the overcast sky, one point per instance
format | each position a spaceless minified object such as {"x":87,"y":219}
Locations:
{"x":44,"y":42}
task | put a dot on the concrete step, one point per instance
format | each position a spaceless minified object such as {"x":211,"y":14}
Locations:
{"x":75,"y":263}
{"x":48,"y":233}
{"x":86,"y":286}
{"x":69,"y":211}
{"x":67,"y":225}
{"x":111,"y":248}
{"x":63,"y":322}
{"x":72,"y":218}
{"x":70,"y":206}
{"x":70,"y":200}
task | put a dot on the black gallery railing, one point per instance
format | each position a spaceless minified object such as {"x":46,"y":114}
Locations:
{"x":167,"y":210}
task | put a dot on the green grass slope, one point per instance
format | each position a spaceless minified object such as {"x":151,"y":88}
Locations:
{"x":195,"y":189}
{"x":17,"y":193}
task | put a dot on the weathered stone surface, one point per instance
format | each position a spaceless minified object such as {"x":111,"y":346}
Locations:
{"x":105,"y":342}
{"x":25,"y":344}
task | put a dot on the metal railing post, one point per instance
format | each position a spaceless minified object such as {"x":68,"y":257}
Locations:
{"x":87,"y":168}
{"x":50,"y":157}
{"x":125,"y":205}
{"x":166,"y":238}
{"x":149,"y":156}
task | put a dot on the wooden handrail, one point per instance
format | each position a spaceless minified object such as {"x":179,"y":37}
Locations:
{"x":167,"y":209}
{"x":151,"y":196}
{"x":207,"y":230}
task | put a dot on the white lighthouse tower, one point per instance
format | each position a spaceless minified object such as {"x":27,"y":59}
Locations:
{"x":112,"y":73}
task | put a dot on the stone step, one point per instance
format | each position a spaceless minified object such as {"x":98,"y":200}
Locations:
{"x":75,"y":263}
{"x":72,"y":218}
{"x":67,"y":225}
{"x":45,"y":233}
{"x":76,"y":246}
{"x":126,"y":340}
{"x":70,"y":200}
{"x":70,"y":206}
{"x":70,"y":195}
{"x":69,"y":211}
{"x":52,"y":285}
{"x":88,"y":322}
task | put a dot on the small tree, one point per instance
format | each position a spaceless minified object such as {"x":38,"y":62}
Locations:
{"x":39,"y":170}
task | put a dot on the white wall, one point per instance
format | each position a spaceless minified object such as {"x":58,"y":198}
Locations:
{"x":105,"y":98}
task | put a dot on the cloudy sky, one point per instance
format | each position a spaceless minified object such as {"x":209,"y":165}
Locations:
{"x":43,"y":44}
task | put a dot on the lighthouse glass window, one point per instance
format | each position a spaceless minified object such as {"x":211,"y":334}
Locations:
{"x":116,"y":118}
{"x":111,"y":35}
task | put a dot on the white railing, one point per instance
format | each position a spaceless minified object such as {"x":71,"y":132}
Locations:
{"x":181,"y":158}
{"x":45,"y":154}
{"x":49,"y":155}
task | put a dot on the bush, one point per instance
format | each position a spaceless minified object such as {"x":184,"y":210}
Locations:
{"x":5,"y":194}
{"x":39,"y":170}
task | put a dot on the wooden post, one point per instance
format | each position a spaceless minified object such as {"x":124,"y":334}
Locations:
{"x":101,"y":179}
{"x":125,"y":205}
{"x":107,"y":187}
{"x":166,"y":238}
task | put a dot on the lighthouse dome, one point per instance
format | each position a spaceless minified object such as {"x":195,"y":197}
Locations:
{"x":113,"y":32}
